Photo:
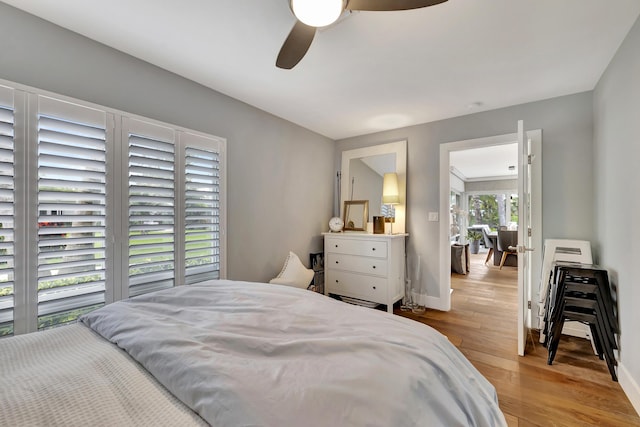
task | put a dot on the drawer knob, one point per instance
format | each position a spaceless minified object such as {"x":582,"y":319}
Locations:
{"x":373,"y":249}
{"x":337,"y":262}
{"x":336,"y":246}
{"x":374,"y":287}
{"x":374,"y":267}
{"x":337,"y":281}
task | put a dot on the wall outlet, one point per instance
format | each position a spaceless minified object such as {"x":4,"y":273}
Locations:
{"x":433,"y":216}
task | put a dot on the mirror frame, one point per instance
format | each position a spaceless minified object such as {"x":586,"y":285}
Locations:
{"x":365,"y":214}
{"x":399,"y":148}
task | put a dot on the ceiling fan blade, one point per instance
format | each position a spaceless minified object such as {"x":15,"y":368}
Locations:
{"x":386,"y":5}
{"x":295,"y":46}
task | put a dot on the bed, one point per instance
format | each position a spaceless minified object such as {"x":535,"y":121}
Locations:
{"x":230,"y":353}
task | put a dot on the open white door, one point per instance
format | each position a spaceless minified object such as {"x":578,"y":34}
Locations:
{"x":524,"y":234}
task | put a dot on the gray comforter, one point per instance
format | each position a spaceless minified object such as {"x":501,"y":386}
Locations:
{"x":245,"y":354}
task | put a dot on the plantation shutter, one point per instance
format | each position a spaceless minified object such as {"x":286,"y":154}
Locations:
{"x":202,"y":208}
{"x":7,"y":211}
{"x":96,"y":206}
{"x":151,"y":154}
{"x":71,"y":210}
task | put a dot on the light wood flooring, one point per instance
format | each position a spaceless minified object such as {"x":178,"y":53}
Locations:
{"x":576,"y":390}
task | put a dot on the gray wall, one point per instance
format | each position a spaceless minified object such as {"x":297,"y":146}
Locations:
{"x":567,"y":163}
{"x":617,"y":194}
{"x":280,"y":182}
{"x":490,"y":186}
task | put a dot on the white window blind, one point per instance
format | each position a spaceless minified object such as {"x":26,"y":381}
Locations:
{"x":202,"y":211}
{"x":7,"y":211}
{"x":152,"y":211}
{"x":71,"y":211}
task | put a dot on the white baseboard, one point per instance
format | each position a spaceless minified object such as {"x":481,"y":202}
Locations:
{"x":629,"y":386}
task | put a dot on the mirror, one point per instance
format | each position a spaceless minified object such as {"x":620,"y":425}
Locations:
{"x":362,"y":176}
{"x":356,"y":215}
{"x":365,"y":179}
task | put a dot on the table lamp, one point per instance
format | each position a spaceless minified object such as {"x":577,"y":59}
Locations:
{"x":390,"y":197}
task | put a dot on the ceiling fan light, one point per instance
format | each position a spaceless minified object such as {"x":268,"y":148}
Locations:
{"x":317,"y":13}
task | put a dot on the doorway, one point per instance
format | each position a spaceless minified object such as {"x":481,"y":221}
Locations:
{"x":484,"y":202}
{"x":443,"y":301}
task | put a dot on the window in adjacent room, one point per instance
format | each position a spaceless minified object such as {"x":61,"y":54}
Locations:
{"x":495,"y":210}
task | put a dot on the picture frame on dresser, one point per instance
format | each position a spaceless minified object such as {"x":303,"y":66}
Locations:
{"x":356,"y":215}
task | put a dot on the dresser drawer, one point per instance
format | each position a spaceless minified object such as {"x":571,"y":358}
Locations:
{"x":373,"y":248}
{"x":368,"y":288}
{"x":357,"y":264}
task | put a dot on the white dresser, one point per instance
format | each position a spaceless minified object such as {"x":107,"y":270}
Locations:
{"x":365,"y":266}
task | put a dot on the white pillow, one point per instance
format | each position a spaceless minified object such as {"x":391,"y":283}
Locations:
{"x":294,"y":273}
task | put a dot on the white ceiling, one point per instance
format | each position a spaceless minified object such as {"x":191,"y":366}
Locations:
{"x":485,"y":163}
{"x":371,"y":71}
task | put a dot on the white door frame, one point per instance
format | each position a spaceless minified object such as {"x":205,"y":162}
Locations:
{"x":443,"y":301}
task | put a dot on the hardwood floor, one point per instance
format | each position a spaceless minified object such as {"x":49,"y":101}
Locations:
{"x":576,"y":390}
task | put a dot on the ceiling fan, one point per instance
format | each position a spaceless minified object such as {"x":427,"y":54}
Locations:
{"x":312,"y":14}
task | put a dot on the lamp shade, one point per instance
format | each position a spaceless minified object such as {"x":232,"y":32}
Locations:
{"x":390,"y":193}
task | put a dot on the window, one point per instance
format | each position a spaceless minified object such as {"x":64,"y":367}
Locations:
{"x":494,"y":210}
{"x":202,"y":212}
{"x":112,"y":206}
{"x":457,"y":215}
{"x":7,"y":212}
{"x":72,"y":207}
{"x":152,"y":207}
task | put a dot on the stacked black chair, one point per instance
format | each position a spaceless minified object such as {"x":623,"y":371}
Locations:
{"x":581,"y":292}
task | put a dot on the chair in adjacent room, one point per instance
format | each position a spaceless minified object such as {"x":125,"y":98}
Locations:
{"x":507,"y":242}
{"x":487,"y":244}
